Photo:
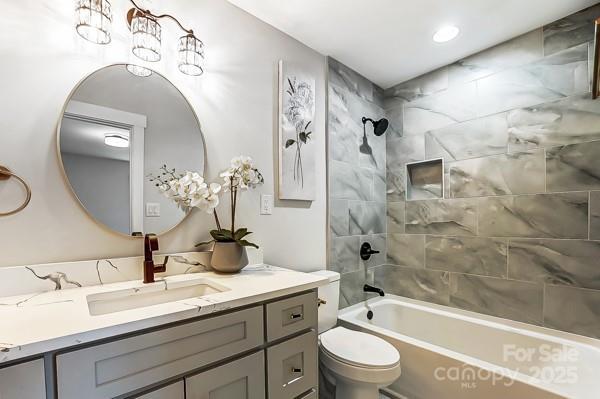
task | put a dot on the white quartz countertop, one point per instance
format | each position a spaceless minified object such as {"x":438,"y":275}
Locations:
{"x":36,"y":323}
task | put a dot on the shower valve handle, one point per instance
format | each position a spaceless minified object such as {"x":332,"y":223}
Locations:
{"x":366,"y":251}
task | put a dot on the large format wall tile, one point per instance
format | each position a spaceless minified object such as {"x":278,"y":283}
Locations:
{"x":570,"y":31}
{"x":404,"y":150}
{"x":379,"y":186}
{"x":339,"y":220}
{"x":510,"y":299}
{"x":573,"y":167}
{"x":442,"y":217}
{"x":595,"y":215}
{"x":576,"y":310}
{"x":378,"y":243}
{"x":559,"y":75}
{"x":519,"y":51}
{"x":343,"y":131}
{"x":344,"y":256}
{"x":569,"y":262}
{"x":395,"y":116}
{"x":421,"y":284}
{"x":351,"y":287}
{"x":350,"y":182}
{"x":406,"y":250}
{"x":441,"y":109}
{"x":517,"y":173}
{"x":395,"y":217}
{"x":347,"y":79}
{"x":575,"y":119}
{"x":396,"y":183}
{"x":473,"y":255}
{"x":470,"y":139}
{"x":562,"y":215}
{"x":366,"y":217}
{"x":413,"y":89}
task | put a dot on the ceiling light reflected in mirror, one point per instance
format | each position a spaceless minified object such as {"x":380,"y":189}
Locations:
{"x":116,"y":140}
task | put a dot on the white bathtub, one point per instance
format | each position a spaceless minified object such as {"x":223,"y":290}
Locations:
{"x":446,"y":353}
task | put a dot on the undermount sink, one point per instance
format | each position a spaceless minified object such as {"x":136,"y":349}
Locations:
{"x":148,"y":295}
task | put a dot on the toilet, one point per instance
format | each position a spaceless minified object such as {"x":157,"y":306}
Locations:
{"x":357,"y":363}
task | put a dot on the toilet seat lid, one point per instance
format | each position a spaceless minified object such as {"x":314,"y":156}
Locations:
{"x":358,"y":348}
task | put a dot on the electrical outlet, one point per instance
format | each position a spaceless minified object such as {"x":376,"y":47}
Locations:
{"x":152,"y":209}
{"x":266,"y":204}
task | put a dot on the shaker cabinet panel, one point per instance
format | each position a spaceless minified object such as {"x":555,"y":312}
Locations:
{"x":241,"y":379}
{"x":293,"y":367}
{"x":119,"y":367}
{"x":173,"y":391}
{"x":291,"y":315}
{"x":23,"y":381}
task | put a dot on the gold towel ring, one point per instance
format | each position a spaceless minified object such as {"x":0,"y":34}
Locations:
{"x":6,"y":174}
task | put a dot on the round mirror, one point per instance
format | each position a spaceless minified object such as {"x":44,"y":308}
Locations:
{"x":117,"y":128}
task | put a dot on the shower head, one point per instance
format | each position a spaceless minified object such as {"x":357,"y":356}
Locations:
{"x":379,"y":127}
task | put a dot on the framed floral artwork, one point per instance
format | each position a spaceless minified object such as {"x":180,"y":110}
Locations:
{"x":296,"y":133}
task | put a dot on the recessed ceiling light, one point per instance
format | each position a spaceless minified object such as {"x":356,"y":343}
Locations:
{"x":116,"y":140}
{"x":445,"y":34}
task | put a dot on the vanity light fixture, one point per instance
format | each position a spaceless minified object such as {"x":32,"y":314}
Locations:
{"x":445,"y":34}
{"x":94,"y":19}
{"x":116,"y":140}
{"x":146,"y":37}
{"x":138,"y":70}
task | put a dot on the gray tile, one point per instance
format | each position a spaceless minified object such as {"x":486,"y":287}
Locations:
{"x":516,"y":173}
{"x":560,"y":75}
{"x":339,"y":221}
{"x":573,"y":167}
{"x":344,"y":256}
{"x":420,"y":284}
{"x":404,"y":150}
{"x":416,"y":88}
{"x":395,"y":116}
{"x":570,"y":31}
{"x":396,"y":183}
{"x":575,"y":310}
{"x":379,"y":186}
{"x":344,"y":77}
{"x":442,"y":217}
{"x":567,"y":262}
{"x":562,"y":215}
{"x":378,"y":243}
{"x":473,"y":255}
{"x":519,"y":51}
{"x":470,"y":139}
{"x":595,"y":215}
{"x":351,"y":287}
{"x":350,"y":182}
{"x":406,"y":250}
{"x":515,"y":300}
{"x":367,"y":217}
{"x":344,"y":132}
{"x":441,"y":109}
{"x":575,"y":119}
{"x":395,"y":217}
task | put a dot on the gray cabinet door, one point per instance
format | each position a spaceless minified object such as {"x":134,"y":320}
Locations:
{"x":23,"y":381}
{"x":240,"y":379}
{"x":173,"y":391}
{"x":127,"y":365}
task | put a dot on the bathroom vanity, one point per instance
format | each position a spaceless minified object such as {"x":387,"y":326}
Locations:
{"x":199,"y":335}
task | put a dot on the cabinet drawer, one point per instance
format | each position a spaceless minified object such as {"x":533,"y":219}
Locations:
{"x":291,"y":315}
{"x":23,"y":381}
{"x":173,"y":391}
{"x":293,"y":367}
{"x":244,"y":378}
{"x":119,"y":367}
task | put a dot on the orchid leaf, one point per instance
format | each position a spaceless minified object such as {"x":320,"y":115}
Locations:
{"x":245,"y":243}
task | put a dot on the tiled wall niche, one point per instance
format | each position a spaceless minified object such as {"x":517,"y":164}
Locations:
{"x":517,"y":233}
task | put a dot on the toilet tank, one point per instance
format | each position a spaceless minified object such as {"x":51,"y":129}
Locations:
{"x":330,"y":293}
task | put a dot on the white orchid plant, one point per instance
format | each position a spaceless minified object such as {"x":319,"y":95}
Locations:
{"x":190,"y":190}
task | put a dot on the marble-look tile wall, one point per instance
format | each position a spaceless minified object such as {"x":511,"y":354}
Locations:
{"x":357,"y":179}
{"x":517,"y":234}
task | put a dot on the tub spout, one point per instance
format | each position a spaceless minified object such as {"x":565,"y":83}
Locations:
{"x":369,"y":288}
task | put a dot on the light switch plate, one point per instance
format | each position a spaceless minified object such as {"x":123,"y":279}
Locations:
{"x":152,"y":209}
{"x":266,"y":204}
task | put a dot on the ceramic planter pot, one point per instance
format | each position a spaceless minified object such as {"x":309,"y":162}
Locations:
{"x":228,"y":257}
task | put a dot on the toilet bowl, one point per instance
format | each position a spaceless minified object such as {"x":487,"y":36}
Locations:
{"x":357,"y":363}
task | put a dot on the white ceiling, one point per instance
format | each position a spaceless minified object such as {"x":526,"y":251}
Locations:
{"x":390,"y":41}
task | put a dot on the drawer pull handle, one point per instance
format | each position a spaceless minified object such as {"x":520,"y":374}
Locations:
{"x":295,"y":370}
{"x":321,"y":302}
{"x":295,"y":316}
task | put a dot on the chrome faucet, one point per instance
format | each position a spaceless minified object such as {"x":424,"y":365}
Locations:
{"x":151,"y":244}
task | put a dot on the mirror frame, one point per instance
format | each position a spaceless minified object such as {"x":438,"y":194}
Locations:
{"x":62,"y":165}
